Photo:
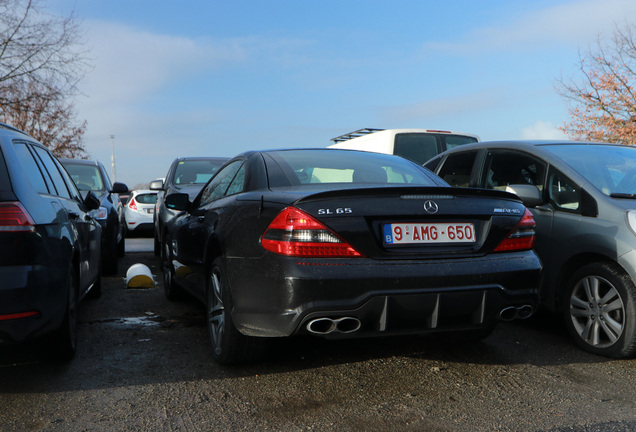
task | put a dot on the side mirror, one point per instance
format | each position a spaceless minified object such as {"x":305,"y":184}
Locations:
{"x":119,"y":188}
{"x":156,"y":185}
{"x":91,"y":201}
{"x":530,"y":195}
{"x":178,"y":201}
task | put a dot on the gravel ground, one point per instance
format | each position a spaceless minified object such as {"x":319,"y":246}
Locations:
{"x":144,"y":364}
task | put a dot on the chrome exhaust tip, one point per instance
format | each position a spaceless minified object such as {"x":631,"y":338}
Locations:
{"x":508,"y":314}
{"x":347,"y":324}
{"x":321,"y":326}
{"x":511,"y":313}
{"x":525,"y":311}
{"x":324,"y":326}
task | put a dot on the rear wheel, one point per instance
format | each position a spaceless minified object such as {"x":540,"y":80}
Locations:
{"x":96,"y":290}
{"x":63,"y":343}
{"x":157,"y":246}
{"x":599,"y":307}
{"x":121,"y":246}
{"x":229,"y":346}
{"x":111,"y":256}
{"x":170,"y":287}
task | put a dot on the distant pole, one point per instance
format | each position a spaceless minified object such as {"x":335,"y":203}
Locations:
{"x":112,"y":156}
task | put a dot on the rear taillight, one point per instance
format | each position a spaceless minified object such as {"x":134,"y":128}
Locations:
{"x":29,"y":314}
{"x":295,"y":233}
{"x":14,"y":217}
{"x":521,"y":237}
{"x":132,"y":204}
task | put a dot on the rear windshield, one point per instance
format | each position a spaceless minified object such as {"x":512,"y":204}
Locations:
{"x":196,"y":171}
{"x":146,"y":198}
{"x":611,"y":169}
{"x":304,"y":167}
{"x":86,"y":177}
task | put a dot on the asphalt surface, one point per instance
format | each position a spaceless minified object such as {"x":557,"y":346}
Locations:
{"x":144,"y":364}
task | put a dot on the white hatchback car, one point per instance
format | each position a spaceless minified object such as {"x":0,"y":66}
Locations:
{"x":140,"y":209}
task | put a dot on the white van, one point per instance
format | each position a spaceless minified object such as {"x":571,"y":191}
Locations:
{"x":418,"y":145}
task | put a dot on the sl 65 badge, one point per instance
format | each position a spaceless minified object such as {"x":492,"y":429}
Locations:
{"x":339,"y":210}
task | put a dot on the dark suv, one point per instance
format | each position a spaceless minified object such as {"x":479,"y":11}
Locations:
{"x":49,"y":245}
{"x":91,"y":176}
{"x":185,"y":175}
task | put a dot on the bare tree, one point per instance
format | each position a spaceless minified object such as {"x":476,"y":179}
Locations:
{"x":42,"y":60}
{"x":603,"y":99}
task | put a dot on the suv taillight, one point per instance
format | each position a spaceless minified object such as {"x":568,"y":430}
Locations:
{"x":14,"y":217}
{"x":132,"y":204}
{"x":295,"y":233}
{"x":521,"y":237}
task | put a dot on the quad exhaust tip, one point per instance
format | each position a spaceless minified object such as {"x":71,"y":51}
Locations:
{"x":520,"y":312}
{"x":324,"y":326}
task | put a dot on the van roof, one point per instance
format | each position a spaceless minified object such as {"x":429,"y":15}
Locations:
{"x":367,"y":131}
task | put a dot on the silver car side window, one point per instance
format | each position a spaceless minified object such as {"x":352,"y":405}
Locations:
{"x":564,"y":194}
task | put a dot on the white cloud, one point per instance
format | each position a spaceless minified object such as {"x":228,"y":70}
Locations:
{"x":542,"y":130}
{"x":576,"y":22}
{"x":130,"y":63}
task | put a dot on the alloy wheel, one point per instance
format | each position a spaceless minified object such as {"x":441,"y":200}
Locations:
{"x":597,"y":311}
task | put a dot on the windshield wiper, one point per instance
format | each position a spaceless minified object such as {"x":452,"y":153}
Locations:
{"x":622,"y":195}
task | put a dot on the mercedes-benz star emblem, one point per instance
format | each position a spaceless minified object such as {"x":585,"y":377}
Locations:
{"x":431,"y":207}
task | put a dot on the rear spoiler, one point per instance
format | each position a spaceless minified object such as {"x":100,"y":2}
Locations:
{"x":423,"y":191}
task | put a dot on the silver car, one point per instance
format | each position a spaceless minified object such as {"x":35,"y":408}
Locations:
{"x":583,"y":198}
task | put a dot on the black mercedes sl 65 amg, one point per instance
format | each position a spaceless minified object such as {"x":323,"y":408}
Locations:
{"x":342,"y":243}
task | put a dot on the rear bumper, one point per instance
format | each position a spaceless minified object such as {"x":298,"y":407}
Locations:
{"x":279,"y":296}
{"x":29,"y":289}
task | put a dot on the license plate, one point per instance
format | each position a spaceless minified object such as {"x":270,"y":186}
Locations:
{"x":151,"y":210}
{"x":439,"y":232}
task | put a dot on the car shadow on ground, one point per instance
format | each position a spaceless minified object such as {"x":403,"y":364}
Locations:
{"x":136,"y":337}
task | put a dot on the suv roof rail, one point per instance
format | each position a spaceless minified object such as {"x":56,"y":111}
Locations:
{"x":6,"y":126}
{"x":354,"y":134}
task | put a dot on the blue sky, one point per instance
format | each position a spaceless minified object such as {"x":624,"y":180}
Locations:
{"x":216,"y":78}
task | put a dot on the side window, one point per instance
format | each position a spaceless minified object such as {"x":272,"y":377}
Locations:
{"x":216,"y":188}
{"x":457,"y":168}
{"x":504,"y":168}
{"x":237,"y":184}
{"x":53,"y":171}
{"x":416,"y":146}
{"x":31,"y":168}
{"x":563,"y":193}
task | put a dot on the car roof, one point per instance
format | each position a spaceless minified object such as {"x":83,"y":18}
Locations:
{"x":201,"y":158}
{"x":80,"y":161}
{"x":522,"y":144}
{"x":13,"y":129}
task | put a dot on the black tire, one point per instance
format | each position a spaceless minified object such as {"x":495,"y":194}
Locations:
{"x":157,"y":247}
{"x":599,"y":308}
{"x":121,"y":245}
{"x":229,"y":346}
{"x":170,"y":288}
{"x":96,"y":290}
{"x":63,"y":343}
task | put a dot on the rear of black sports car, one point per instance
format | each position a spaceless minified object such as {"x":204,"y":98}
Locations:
{"x":385,"y":260}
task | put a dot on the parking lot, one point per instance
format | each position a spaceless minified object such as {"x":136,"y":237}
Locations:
{"x":144,"y":364}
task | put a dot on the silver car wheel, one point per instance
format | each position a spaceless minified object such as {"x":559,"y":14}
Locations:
{"x":216,"y":311}
{"x":597,"y":311}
